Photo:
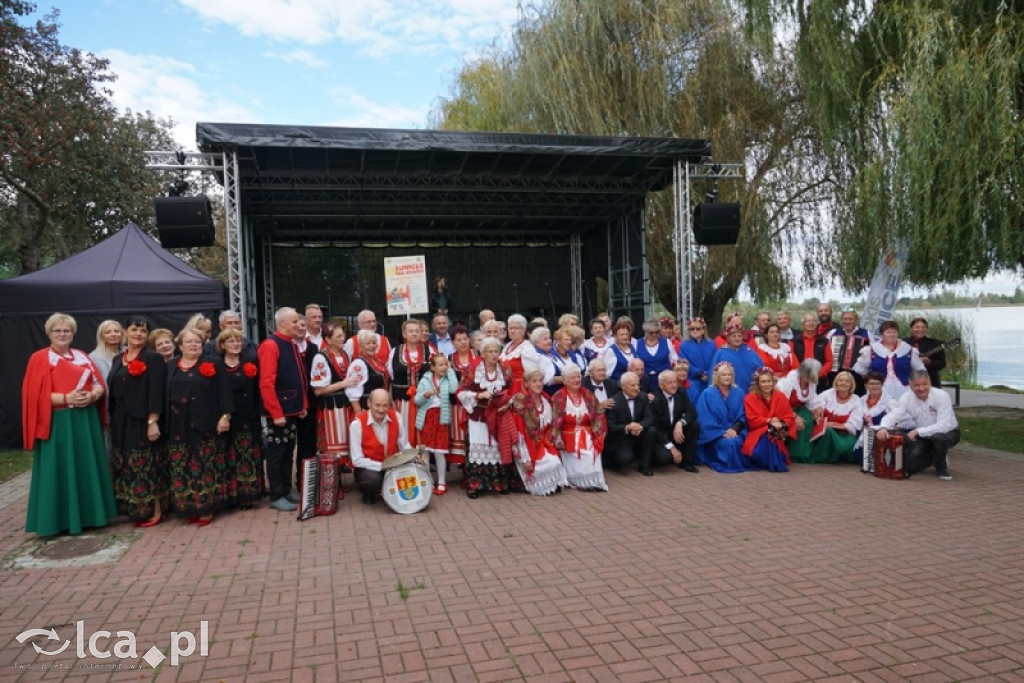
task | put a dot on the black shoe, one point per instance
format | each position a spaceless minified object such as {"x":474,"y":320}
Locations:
{"x":647,"y":471}
{"x":689,"y":468}
{"x":369,"y":498}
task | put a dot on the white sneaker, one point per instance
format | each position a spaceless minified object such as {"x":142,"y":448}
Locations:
{"x":945,"y":476}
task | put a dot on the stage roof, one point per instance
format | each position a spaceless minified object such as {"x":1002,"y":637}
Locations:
{"x":320,"y":184}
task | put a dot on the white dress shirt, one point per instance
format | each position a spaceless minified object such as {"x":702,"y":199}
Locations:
{"x":932,"y":416}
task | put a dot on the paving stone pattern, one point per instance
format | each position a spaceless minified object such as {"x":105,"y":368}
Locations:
{"x":819,"y":574}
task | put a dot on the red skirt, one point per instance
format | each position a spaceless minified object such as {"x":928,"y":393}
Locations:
{"x":332,"y":432}
{"x":457,"y":433}
{"x":434,"y":435}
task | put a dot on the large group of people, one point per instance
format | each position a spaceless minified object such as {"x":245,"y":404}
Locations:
{"x":154,"y":423}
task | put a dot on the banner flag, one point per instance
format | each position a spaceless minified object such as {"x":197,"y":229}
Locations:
{"x":885,"y":286}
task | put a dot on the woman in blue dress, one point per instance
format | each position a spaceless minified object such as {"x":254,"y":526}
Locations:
{"x":699,"y":351}
{"x":722,"y":424}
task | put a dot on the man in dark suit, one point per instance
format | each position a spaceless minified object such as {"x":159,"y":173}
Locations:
{"x":600,"y":384}
{"x":630,"y":428}
{"x":675,"y":425}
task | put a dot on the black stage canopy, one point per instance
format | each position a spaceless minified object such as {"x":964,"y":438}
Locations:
{"x":320,"y":184}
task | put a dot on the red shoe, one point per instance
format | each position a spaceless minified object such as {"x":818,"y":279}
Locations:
{"x":440,"y":489}
{"x":191,"y":520}
{"x":204,"y":521}
{"x":149,"y":522}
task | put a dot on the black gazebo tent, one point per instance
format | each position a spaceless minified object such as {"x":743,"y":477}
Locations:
{"x":126,"y":273}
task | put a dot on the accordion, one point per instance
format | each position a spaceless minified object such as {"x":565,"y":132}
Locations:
{"x":321,"y":486}
{"x":888,"y":457}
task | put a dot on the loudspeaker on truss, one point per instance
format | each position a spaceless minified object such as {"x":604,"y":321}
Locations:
{"x":184,"y":222}
{"x":716,"y":223}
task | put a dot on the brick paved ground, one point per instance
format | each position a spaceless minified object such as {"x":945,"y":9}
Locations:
{"x":819,"y":574}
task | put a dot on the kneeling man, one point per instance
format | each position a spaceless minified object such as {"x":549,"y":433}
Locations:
{"x":928,"y":413}
{"x":675,"y":424}
{"x":373,"y":436}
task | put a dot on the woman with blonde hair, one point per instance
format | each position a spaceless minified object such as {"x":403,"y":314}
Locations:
{"x":109,"y":342}
{"x":71,"y":487}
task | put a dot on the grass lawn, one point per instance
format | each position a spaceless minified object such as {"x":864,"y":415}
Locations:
{"x":13,"y":463}
{"x":1003,"y":432}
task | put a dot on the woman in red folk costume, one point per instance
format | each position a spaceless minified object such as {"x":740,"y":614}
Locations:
{"x":536,"y":456}
{"x":579,"y":427}
{"x":769,"y":420}
{"x":244,"y":455}
{"x":329,"y":376}
{"x":775,"y":353}
{"x":366,"y":370}
{"x":485,"y":395}
{"x":519,"y":354}
{"x":71,"y":487}
{"x":406,"y":365}
{"x":461,"y":361}
{"x":137,"y":381}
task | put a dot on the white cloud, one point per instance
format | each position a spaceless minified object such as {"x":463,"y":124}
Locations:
{"x":380,"y":28}
{"x":357,"y":111}
{"x":169,"y":88}
{"x":304,"y":57}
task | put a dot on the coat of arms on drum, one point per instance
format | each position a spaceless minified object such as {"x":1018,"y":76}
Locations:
{"x":408,"y":487}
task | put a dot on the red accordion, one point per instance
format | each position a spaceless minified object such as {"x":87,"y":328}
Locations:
{"x":321,"y":486}
{"x":888,"y":457}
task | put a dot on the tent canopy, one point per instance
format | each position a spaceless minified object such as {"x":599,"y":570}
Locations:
{"x":128,"y":271}
{"x":322,"y":184}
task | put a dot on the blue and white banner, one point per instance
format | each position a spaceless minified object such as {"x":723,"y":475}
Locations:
{"x":885,"y":287}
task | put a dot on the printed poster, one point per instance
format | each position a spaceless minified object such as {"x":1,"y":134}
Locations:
{"x":405,"y":279}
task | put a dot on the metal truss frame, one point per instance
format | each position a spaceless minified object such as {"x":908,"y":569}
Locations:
{"x":267,"y":260}
{"x":233,"y":238}
{"x":683,"y":246}
{"x":629,"y":281}
{"x":576,"y":274}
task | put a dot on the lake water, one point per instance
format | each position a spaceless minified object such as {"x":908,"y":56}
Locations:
{"x":999,"y":340}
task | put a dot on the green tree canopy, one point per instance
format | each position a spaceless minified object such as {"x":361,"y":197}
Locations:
{"x":668,"y":68}
{"x":921,"y":103}
{"x":72,"y":168}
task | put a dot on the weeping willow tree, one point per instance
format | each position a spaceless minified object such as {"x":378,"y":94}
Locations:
{"x":921,"y":105}
{"x":669,"y":68}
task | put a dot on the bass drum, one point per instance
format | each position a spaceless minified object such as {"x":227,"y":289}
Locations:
{"x":407,"y":488}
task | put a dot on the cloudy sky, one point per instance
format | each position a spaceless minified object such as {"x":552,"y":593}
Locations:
{"x":361,"y":63}
{"x":373,"y":63}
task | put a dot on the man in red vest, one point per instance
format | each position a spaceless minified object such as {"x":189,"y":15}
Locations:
{"x":374,"y":435}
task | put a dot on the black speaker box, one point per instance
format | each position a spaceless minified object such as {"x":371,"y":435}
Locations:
{"x":184,"y":222}
{"x":716,"y":223}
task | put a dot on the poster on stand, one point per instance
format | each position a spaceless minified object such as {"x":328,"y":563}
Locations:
{"x":405,"y":279}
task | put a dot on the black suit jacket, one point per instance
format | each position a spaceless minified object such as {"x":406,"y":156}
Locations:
{"x":146,"y":393}
{"x":611,"y":386}
{"x":210,"y":398}
{"x":619,"y":415}
{"x":682,"y":409}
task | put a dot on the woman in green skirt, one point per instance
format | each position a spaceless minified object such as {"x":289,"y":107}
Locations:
{"x":71,"y":488}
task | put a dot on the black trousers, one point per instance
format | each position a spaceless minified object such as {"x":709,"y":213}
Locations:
{"x":620,"y":451}
{"x":925,"y":452}
{"x":663,"y":456}
{"x":280,"y":457}
{"x":370,"y":481}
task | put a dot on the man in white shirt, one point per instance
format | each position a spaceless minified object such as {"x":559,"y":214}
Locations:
{"x":928,"y":413}
{"x":373,"y":436}
{"x":314,"y":325}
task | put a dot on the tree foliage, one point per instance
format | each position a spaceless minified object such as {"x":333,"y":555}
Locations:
{"x":921,"y":103}
{"x":673,"y":69}
{"x":71,"y":166}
